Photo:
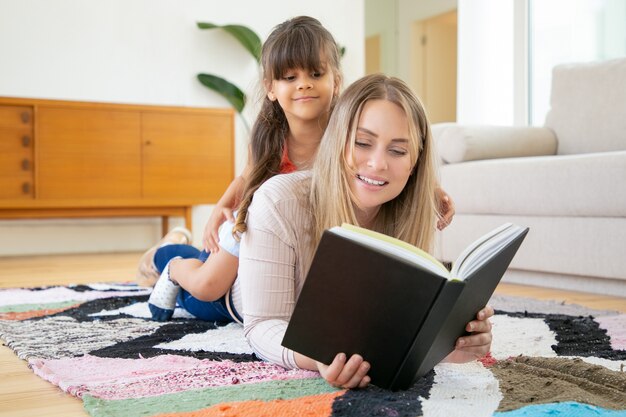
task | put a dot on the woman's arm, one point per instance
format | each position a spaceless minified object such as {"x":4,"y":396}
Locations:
{"x":270,"y":274}
{"x":267,"y":269}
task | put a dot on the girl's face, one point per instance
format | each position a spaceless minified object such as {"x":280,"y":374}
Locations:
{"x":304,"y":95}
{"x":381,"y":157}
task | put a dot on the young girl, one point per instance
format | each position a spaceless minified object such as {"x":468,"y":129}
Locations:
{"x":302,"y":78}
{"x":375,"y":169}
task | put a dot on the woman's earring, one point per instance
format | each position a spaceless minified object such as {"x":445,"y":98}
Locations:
{"x":271,"y":96}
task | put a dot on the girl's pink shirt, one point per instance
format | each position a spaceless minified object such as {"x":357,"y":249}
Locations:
{"x":286,"y":166}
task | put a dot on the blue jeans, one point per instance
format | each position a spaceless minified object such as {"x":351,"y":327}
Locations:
{"x":204,"y":310}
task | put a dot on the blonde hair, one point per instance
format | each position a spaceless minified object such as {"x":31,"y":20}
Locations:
{"x":300,"y":42}
{"x":411,"y":216}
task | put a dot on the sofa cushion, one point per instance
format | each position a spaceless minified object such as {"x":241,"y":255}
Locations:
{"x":571,"y":185}
{"x":587,"y":107}
{"x":458,"y":143}
{"x":583,"y":246}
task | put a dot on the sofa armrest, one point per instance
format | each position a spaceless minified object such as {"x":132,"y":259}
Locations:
{"x":458,"y":143}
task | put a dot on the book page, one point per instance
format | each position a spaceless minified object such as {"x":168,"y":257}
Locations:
{"x":393,"y":246}
{"x":483,"y":249}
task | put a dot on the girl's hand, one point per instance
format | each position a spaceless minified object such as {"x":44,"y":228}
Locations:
{"x":478,"y":343}
{"x":446,"y":208}
{"x":342,"y":374}
{"x":210,"y":238}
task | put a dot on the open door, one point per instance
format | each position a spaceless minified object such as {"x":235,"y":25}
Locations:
{"x":434,"y":64}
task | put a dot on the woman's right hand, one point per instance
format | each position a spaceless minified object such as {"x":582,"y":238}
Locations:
{"x":342,"y":374}
{"x":210,"y":238}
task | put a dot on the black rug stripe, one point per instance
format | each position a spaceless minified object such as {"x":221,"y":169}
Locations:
{"x":144,"y":346}
{"x":118,"y":288}
{"x":82,"y":312}
{"x":87,"y":288}
{"x":577,"y":335}
{"x":374,"y":401}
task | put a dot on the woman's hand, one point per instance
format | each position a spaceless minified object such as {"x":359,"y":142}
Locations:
{"x":446,"y":208}
{"x":210,"y":238}
{"x":478,"y":343}
{"x":342,"y":374}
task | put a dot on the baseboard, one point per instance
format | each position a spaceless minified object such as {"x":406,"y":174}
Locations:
{"x":595,"y":285}
{"x":102,"y":235}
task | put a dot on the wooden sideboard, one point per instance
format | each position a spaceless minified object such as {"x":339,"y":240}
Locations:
{"x":80,"y":159}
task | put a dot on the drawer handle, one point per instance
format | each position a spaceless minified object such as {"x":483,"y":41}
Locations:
{"x":26,"y":188}
{"x":25,"y":117}
{"x":26,"y":141}
{"x":25,"y":164}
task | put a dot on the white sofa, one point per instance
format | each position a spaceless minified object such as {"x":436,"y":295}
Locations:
{"x":566,"y":181}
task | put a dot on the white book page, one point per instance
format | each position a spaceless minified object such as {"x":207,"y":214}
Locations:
{"x":390,"y":248}
{"x":487,"y":245}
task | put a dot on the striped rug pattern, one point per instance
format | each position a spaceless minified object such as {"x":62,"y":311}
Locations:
{"x":97,"y":343}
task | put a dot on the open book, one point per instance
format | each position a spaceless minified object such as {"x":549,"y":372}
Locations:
{"x":391,"y":302}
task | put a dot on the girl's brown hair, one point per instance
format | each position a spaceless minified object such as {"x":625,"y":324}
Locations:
{"x":301,"y":42}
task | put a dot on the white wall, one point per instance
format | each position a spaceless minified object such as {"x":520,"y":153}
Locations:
{"x":489,"y":64}
{"x":145,"y":52}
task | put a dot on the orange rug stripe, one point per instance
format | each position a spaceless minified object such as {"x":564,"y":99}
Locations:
{"x":25,"y":315}
{"x":313,"y":405}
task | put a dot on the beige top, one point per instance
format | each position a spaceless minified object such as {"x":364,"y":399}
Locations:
{"x":274,"y":259}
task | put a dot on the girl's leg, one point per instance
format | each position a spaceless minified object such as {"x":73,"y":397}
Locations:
{"x":162,"y":301}
{"x":203,"y":279}
{"x":147,"y":274}
{"x":165,"y":254}
{"x":206,"y":281}
{"x":209,"y":311}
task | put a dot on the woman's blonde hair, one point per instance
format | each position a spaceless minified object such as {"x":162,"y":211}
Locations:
{"x":411,"y":216}
{"x":300,"y":42}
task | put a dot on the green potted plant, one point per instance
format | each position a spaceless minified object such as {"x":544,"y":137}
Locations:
{"x":233,"y":94}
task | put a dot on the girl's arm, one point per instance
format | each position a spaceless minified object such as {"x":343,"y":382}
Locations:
{"x":224,"y":211}
{"x":446,"y":208}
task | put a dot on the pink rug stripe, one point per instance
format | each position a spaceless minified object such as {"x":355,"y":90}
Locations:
{"x":57,"y":294}
{"x":615,"y":327}
{"x":115,"y":379}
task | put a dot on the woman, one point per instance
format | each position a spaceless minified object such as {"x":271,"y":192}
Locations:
{"x":375,"y":168}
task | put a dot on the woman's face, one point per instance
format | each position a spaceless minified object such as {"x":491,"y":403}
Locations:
{"x":381,"y":157}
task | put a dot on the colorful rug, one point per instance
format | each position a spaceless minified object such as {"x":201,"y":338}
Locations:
{"x":96,"y":343}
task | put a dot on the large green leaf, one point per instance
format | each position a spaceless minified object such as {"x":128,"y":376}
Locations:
{"x":229,"y":91}
{"x":246,"y":36}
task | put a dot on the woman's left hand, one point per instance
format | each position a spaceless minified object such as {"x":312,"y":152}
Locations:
{"x":478,"y":343}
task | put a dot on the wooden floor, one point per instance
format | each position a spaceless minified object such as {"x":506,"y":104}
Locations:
{"x":22,"y":394}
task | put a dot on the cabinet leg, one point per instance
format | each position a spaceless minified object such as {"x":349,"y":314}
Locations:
{"x":165,"y":225}
{"x":188,"y":224}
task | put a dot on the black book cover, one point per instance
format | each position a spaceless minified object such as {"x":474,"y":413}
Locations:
{"x":359,"y":300}
{"x":457,"y":305}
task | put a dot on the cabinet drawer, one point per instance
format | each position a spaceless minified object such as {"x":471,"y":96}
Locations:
{"x":16,"y":116}
{"x":16,"y":139}
{"x":16,"y":152}
{"x":16,"y":188}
